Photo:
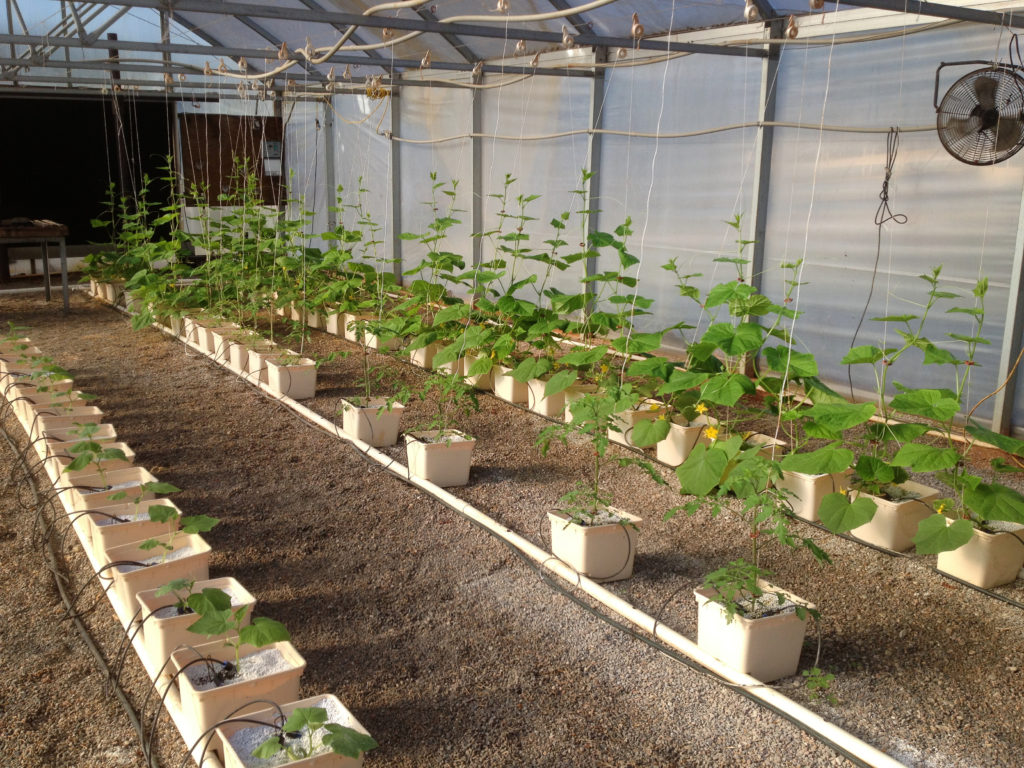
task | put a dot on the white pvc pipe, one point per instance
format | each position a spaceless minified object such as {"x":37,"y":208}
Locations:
{"x":865,"y":752}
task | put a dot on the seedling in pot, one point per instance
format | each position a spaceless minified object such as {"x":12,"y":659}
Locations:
{"x":182,"y":591}
{"x":295,"y":737}
{"x":159,"y":513}
{"x":217,"y":617}
{"x":87,"y":452}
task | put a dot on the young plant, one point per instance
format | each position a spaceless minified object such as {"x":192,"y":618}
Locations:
{"x":176,"y":523}
{"x":217,"y":617}
{"x":296,"y":737}
{"x":593,"y":416}
{"x":88,"y":452}
{"x":182,"y":591}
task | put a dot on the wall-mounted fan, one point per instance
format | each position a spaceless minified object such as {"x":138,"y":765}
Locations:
{"x":980,"y":120}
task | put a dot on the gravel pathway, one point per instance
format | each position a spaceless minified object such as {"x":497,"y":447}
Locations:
{"x":446,"y":646}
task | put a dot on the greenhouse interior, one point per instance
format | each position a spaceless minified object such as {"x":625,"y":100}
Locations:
{"x":628,"y":383}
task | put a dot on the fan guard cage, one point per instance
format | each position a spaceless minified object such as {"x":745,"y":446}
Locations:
{"x":981,"y":118}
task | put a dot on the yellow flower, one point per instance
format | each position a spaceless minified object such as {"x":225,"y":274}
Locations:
{"x":604,"y":369}
{"x":940,"y":509}
{"x":662,"y":417}
{"x":701,"y":408}
{"x":712,"y":433}
{"x":842,"y":491}
{"x":652,"y":406}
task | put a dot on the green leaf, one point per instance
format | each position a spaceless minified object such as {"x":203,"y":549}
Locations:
{"x":211,"y":623}
{"x":928,"y":403}
{"x":679,"y":381}
{"x":820,"y":462}
{"x":840,"y":515}
{"x":449,"y":354}
{"x":198,"y":523}
{"x":268,"y":748}
{"x":531,"y":368}
{"x":925,"y":458}
{"x":1003,"y":442}
{"x":458,"y":311}
{"x":935,"y":534}
{"x":901,"y":433}
{"x":210,"y":600}
{"x":263,"y":631}
{"x":799,"y":364}
{"x":895,"y":318}
{"x":649,"y":432}
{"x":637,"y":343}
{"x":738,"y":340}
{"x":159,"y":487}
{"x":995,"y":502}
{"x":702,"y":471}
{"x":935,"y":356}
{"x":656,"y":367}
{"x":832,"y":419}
{"x":312,"y":718}
{"x":560,"y":382}
{"x":161,"y":513}
{"x":480,"y":366}
{"x":727,"y":389}
{"x":864,"y":354}
{"x":583,"y":356}
{"x":80,"y":462}
{"x":347,"y":741}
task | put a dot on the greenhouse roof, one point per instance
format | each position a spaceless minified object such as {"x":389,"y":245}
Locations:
{"x":313,"y":45}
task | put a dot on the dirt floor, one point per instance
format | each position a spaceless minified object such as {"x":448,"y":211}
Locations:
{"x":446,"y":646}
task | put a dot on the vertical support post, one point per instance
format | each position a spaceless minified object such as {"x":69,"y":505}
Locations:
{"x":593,"y":185}
{"x":46,"y":268}
{"x":1013,"y":327}
{"x":396,"y":184}
{"x":477,"y":191}
{"x":10,"y":26}
{"x":329,"y":164}
{"x":64,"y":272}
{"x":763,"y":155}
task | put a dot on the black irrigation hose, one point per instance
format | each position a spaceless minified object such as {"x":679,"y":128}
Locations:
{"x":83,"y":631}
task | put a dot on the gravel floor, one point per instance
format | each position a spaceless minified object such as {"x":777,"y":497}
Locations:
{"x":447,"y":647}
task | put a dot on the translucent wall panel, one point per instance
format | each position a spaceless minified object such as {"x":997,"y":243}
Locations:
{"x":362,"y":162}
{"x":825,"y":191}
{"x":548,"y":167}
{"x":309,"y":189}
{"x":678,"y":191}
{"x":429,"y":114}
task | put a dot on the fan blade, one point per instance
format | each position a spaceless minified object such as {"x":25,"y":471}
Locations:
{"x":1009,"y":132}
{"x":985,"y":90}
{"x":959,"y":127}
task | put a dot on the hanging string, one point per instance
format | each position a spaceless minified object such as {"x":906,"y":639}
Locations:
{"x":883,"y":215}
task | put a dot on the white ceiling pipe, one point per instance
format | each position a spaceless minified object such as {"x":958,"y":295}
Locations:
{"x":811,"y":721}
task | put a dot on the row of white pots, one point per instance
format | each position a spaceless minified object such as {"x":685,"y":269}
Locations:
{"x":113,"y":533}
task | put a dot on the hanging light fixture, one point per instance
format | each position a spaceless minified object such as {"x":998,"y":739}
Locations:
{"x":750,"y":11}
{"x":792,"y":30}
{"x":168,"y":80}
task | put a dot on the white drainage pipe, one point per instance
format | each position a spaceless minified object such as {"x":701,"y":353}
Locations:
{"x":810,"y":721}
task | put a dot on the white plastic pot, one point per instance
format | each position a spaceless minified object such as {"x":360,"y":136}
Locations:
{"x":550,"y":407}
{"x":988,"y":559}
{"x":508,"y":388}
{"x":767,"y":648}
{"x":805,"y":492}
{"x":648,"y":410}
{"x":374,"y":423}
{"x":292,"y":375}
{"x":603,"y":552}
{"x":682,"y":438}
{"x":895,"y":522}
{"x":444,"y":460}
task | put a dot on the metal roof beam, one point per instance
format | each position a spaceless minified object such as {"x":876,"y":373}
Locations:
{"x":255,"y":54}
{"x":454,"y":41}
{"x":575,"y":19}
{"x":259,"y":30}
{"x":995,"y":18}
{"x":438,"y":27}
{"x":354,"y":37}
{"x":766,"y":10}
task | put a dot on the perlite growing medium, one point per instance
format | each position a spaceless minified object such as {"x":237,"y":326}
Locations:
{"x":763,"y":606}
{"x":245,"y":740}
{"x":263,"y":663}
{"x":177,"y":554}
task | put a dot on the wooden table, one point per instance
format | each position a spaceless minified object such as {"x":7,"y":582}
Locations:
{"x":41,"y":231}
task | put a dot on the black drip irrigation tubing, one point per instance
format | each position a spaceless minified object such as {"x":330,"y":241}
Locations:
{"x":652,"y":642}
{"x":83,"y":631}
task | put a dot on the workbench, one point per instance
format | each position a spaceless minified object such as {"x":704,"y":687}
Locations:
{"x":41,"y":231}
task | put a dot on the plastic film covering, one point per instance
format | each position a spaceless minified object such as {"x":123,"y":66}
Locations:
{"x":309,"y":190}
{"x":825,"y":192}
{"x":362,"y":166}
{"x":678,"y":192}
{"x":546,"y":170}
{"x":429,"y":170}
